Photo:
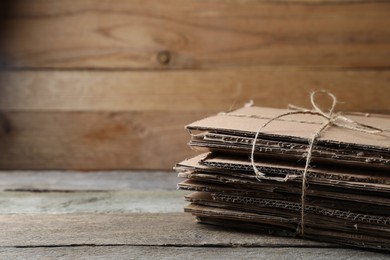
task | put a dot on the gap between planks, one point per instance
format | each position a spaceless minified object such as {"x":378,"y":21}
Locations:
{"x":147,"y":229}
{"x":146,"y":236}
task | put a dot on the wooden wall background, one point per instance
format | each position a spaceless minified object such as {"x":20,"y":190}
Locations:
{"x":110,"y":84}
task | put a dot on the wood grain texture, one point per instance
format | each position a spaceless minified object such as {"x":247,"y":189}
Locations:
{"x":134,"y":120}
{"x":196,"y":34}
{"x":71,"y":233}
{"x":102,"y":235}
{"x":97,"y":181}
{"x":110,"y":84}
{"x":178,"y":91}
{"x":94,"y":140}
{"x":55,"y":192}
{"x":209,"y":253}
{"x":135,"y":201}
{"x":158,"y":229}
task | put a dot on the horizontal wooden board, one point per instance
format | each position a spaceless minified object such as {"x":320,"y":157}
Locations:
{"x":158,"y":229}
{"x":56,"y":192}
{"x":72,"y":181}
{"x":146,"y":201}
{"x":195,"y":34}
{"x":94,"y":140}
{"x":178,"y":91}
{"x":153,"y":252}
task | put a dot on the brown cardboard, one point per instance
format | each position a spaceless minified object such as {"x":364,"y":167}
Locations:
{"x":348,"y":178}
{"x":288,"y":209}
{"x":298,"y":128}
{"x":232,"y":198}
{"x":317,"y":229}
{"x":369,"y":179}
{"x":347,"y":199}
{"x":276,"y":190}
{"x":288,"y":150}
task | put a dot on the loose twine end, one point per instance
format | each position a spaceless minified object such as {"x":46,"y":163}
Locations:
{"x":330,"y":118}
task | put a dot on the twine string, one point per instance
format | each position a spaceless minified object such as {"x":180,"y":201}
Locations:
{"x":331,"y":118}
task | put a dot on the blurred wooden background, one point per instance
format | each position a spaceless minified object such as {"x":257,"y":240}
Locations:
{"x":98,"y":85}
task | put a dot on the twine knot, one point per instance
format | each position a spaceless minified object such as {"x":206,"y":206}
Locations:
{"x":331,"y":118}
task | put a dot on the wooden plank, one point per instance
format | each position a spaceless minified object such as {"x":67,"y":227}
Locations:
{"x":150,"y":201}
{"x":94,"y":140}
{"x":159,"y":229}
{"x":196,"y":34}
{"x":68,"y":181}
{"x":214,"y":90}
{"x":153,"y":252}
{"x":51,"y":192}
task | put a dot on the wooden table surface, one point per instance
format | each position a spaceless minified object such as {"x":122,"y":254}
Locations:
{"x":127,"y":215}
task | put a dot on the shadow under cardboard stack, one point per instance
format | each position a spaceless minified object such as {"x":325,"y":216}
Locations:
{"x":348,"y":193}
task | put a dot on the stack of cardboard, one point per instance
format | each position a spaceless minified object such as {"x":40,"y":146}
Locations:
{"x":347,"y":196}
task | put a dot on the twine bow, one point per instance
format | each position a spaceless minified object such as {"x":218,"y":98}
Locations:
{"x":331,"y":118}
